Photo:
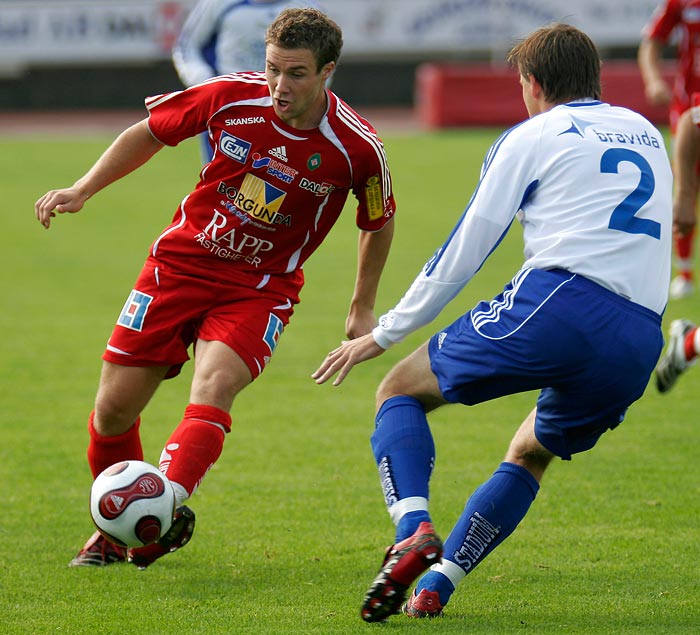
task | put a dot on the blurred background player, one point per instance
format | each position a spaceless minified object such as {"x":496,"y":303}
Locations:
{"x":580,"y":321}
{"x":684,"y":339}
{"x":225,"y":275}
{"x":226,"y":36}
{"x":681,"y":353}
{"x":674,"y":20}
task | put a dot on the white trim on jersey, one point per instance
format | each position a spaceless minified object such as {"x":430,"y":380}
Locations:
{"x":355,"y":124}
{"x":264,"y":281}
{"x":327,"y":131}
{"x":172,"y":228}
{"x":285,"y":133}
{"x":260,"y":101}
{"x":243,"y":78}
{"x":156,"y":100}
{"x":293,"y":261}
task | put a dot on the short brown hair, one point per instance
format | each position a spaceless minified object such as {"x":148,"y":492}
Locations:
{"x":562,"y":59}
{"x":307,"y":29}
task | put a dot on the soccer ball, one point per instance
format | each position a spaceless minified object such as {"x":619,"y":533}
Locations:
{"x":132,"y":503}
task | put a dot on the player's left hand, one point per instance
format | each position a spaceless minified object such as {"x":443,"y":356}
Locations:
{"x":342,"y":359}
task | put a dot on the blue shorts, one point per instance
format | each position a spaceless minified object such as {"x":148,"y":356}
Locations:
{"x":590,"y":352}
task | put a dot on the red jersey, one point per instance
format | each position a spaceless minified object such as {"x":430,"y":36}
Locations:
{"x":271,"y":193}
{"x":684,"y":17}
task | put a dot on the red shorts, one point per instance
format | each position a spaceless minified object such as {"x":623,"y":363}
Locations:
{"x":167,"y":311}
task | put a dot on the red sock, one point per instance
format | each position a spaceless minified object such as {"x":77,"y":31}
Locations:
{"x":105,"y":451}
{"x":689,"y":345}
{"x":195,"y":445}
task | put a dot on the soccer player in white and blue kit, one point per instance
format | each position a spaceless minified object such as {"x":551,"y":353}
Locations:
{"x":590,"y":184}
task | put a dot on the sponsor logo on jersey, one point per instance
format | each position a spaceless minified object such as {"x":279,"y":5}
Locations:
{"x":244,"y":121}
{"x":234,"y":148}
{"x":579,"y":127}
{"x":258,"y":199}
{"x":631,"y":139}
{"x":232,"y":243}
{"x":374,"y":198}
{"x":314,"y":162}
{"x":319,"y":189}
{"x":275,"y":168}
{"x":260,"y":161}
{"x":280,"y":152}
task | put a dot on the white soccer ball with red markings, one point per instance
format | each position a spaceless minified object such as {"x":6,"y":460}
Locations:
{"x":132,"y":503}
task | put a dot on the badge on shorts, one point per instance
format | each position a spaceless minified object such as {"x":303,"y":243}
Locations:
{"x":274,"y":329}
{"x":134,"y":312}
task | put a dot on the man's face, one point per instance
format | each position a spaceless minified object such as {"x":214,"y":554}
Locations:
{"x":296,"y":87}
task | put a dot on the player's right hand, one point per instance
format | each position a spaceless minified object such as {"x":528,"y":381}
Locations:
{"x":68,"y":200}
{"x":342,"y":359}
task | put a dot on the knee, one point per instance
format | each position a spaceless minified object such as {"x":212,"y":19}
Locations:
{"x":111,"y":416}
{"x":387,"y":389}
{"x":219,"y":387}
{"x":535,"y":460}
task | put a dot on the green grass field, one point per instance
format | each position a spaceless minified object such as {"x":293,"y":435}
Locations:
{"x":291,"y":523}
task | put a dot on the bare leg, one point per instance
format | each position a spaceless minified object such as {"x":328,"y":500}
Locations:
{"x":123,"y":393}
{"x":412,"y":377}
{"x":525,"y":450}
{"x":220,"y":374}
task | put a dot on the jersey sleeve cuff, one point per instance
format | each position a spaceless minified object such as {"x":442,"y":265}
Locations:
{"x":380,"y":337}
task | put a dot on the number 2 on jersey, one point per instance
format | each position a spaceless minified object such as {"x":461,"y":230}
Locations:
{"x":624,"y":216}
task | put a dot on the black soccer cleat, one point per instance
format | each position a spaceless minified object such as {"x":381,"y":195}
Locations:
{"x":177,"y":536}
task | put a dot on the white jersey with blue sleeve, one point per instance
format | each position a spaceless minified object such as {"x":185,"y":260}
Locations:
{"x":226,"y":36}
{"x":591,"y":185}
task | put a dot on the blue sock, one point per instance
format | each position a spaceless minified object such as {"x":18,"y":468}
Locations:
{"x":409,"y":523}
{"x":405,"y":453}
{"x":436,"y":581}
{"x":492,"y":513}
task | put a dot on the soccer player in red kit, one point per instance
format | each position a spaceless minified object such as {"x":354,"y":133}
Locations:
{"x":680,"y":19}
{"x":683,"y":348}
{"x":225,"y":275}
